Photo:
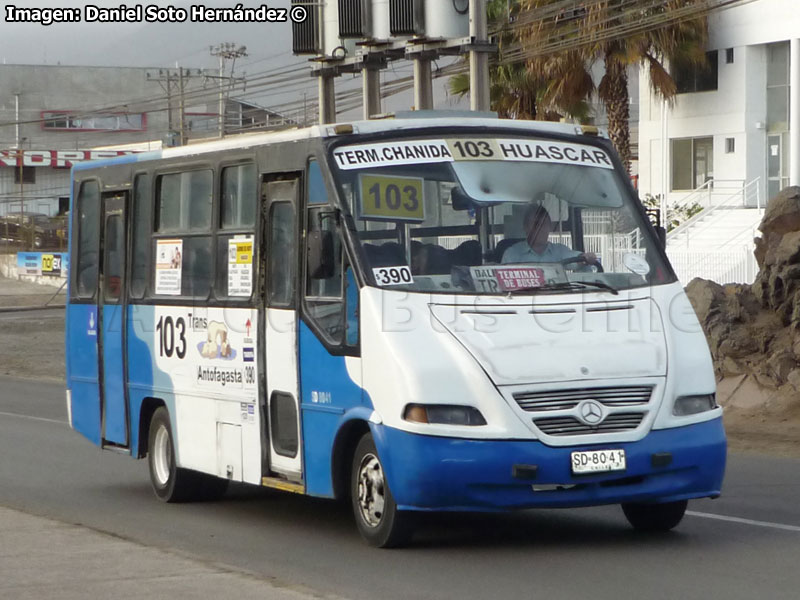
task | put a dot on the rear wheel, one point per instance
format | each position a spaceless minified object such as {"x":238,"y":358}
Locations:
{"x":171,"y":483}
{"x":655,"y":517}
{"x":377,"y":517}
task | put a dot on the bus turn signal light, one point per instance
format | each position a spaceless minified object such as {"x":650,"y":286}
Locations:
{"x":443,"y":414}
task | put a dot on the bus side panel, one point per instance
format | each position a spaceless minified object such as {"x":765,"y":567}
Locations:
{"x":82,"y":375}
{"x":113,"y":384}
{"x":140,"y":341}
{"x":327,"y":394}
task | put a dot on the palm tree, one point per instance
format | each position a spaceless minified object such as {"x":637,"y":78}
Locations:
{"x":609,"y":31}
{"x":516,"y":91}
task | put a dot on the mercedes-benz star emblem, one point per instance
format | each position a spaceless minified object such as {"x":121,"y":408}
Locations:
{"x":590,"y":412}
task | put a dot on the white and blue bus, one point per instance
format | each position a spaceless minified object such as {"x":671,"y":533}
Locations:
{"x":370,"y":311}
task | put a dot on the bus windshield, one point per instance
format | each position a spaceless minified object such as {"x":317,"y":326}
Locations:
{"x":495,"y":215}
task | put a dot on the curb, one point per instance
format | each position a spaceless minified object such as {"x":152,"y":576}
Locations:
{"x":8,"y":309}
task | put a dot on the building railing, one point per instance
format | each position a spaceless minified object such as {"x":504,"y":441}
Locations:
{"x":717,"y":193}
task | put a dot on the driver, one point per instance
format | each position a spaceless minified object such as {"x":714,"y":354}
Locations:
{"x":537,"y":248}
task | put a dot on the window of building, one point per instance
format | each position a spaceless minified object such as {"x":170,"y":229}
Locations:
{"x":88,"y":251}
{"x":730,"y":145}
{"x":184,"y":201}
{"x":201,"y":122}
{"x":66,"y":120}
{"x":238,"y":200}
{"x":692,"y":162}
{"x":729,"y":56}
{"x":778,"y":87}
{"x":696,"y":78}
{"x":25,"y":175}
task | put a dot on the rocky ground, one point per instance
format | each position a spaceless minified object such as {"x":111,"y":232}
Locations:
{"x":754,"y":334}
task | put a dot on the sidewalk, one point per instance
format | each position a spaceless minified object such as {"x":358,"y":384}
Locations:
{"x":42,"y":559}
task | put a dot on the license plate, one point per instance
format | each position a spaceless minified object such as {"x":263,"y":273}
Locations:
{"x":598,"y":461}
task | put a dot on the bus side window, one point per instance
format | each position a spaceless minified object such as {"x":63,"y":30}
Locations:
{"x":281,"y":255}
{"x":142,"y":209}
{"x":183,"y":203}
{"x":331,"y":301}
{"x":88,"y":251}
{"x":324,"y":294}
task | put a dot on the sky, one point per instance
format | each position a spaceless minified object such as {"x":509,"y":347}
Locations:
{"x":187,"y":44}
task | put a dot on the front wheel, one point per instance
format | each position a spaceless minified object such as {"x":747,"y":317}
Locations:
{"x":655,"y":517}
{"x":379,"y":521}
{"x":171,"y":483}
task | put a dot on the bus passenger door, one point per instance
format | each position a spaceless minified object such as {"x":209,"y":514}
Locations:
{"x":280,"y":326}
{"x":111,"y":317}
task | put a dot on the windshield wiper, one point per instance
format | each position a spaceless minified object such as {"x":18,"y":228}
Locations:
{"x":571,"y":285}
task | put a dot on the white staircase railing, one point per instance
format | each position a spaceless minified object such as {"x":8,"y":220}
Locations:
{"x":718,"y":194}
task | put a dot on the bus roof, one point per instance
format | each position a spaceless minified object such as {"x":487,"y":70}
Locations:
{"x":407,"y":121}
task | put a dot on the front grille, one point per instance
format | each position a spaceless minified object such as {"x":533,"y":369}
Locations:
{"x":571,"y":426}
{"x":566,"y":399}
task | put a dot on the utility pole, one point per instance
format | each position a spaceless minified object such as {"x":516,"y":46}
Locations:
{"x":182,"y":115}
{"x":423,"y":82}
{"x":371,"y":85}
{"x":478,"y":57}
{"x":21,"y":164}
{"x":327,"y":97}
{"x":175,"y":84}
{"x":226,"y":51}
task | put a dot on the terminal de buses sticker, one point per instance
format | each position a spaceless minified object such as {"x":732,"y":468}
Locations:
{"x":169,"y":263}
{"x":240,"y":266}
{"x":409,"y":152}
{"x":392,"y":198}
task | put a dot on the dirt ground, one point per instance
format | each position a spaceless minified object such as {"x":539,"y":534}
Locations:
{"x":32,"y":346}
{"x":31,"y":343}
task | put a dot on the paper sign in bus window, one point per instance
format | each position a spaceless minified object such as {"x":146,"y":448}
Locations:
{"x":169,"y":264}
{"x":240,"y":267}
{"x":519,"y":278}
{"x":392,"y":198}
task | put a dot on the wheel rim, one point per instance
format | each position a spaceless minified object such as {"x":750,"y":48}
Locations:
{"x":162,"y":456}
{"x":371,"y":490}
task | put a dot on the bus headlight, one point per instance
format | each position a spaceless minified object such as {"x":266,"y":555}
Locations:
{"x":444,"y":414}
{"x":692,"y":405}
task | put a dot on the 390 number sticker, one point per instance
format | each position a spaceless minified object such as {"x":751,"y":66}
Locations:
{"x":400,"y":275}
{"x":392,"y":198}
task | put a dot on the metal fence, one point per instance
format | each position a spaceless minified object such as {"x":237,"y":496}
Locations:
{"x":734,"y":265}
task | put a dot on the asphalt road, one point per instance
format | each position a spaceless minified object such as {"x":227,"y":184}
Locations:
{"x":743,"y":545}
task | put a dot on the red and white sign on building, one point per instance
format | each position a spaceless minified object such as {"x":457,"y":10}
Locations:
{"x":54,"y":158}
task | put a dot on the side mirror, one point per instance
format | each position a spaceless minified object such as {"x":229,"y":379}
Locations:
{"x":661,"y":232}
{"x":320,"y":259}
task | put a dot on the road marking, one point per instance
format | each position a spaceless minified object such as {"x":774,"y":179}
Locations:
{"x":8,"y":414}
{"x":744,"y":521}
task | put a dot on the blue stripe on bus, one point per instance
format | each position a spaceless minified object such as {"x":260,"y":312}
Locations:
{"x":82,"y":372}
{"x":437,"y":473}
{"x":329,"y":399}
{"x":123,"y":159}
{"x":115,"y":428}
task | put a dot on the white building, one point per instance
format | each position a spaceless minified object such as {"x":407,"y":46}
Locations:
{"x":732,"y":138}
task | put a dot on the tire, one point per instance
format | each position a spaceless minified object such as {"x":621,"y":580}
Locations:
{"x":171,"y":483}
{"x":377,"y":518}
{"x":655,"y":517}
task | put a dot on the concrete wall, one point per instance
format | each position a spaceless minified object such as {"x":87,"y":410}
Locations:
{"x":8,"y":269}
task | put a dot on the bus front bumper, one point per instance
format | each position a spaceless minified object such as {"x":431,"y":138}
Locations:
{"x":437,"y":473}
